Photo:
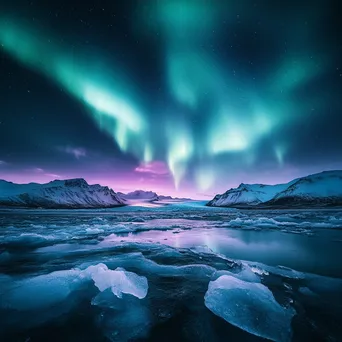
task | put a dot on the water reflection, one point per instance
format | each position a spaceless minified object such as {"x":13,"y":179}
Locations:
{"x":270,"y":247}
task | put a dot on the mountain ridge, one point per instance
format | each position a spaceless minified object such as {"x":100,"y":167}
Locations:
{"x":149,"y":196}
{"x":139,"y":195}
{"x":58,"y":194}
{"x":73,"y":193}
{"x":320,"y":189}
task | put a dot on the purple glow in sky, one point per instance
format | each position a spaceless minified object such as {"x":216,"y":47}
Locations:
{"x":153,"y":176}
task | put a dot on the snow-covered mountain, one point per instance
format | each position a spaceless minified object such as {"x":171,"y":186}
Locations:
{"x":321,"y":189}
{"x":247,"y":194}
{"x":139,"y":195}
{"x":148,"y":196}
{"x":169,"y":198}
{"x":165,"y":198}
{"x":70,"y":193}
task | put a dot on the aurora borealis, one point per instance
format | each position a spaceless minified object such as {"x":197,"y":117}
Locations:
{"x":177,"y":96}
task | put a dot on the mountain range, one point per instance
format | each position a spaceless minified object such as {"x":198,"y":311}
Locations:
{"x":142,"y":195}
{"x":319,"y":190}
{"x":71,"y":194}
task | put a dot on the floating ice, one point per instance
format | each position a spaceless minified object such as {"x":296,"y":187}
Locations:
{"x":245,"y":274}
{"x":127,"y":319}
{"x":279,"y":270}
{"x":250,"y":307}
{"x":29,"y":239}
{"x":94,"y":230}
{"x":258,"y":270}
{"x":119,"y":281}
{"x":147,"y":266}
{"x":39,"y":292}
{"x":306,"y":292}
{"x":46,"y":290}
{"x":106,"y":299}
{"x":289,"y":223}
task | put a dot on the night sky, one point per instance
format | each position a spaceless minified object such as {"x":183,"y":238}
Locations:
{"x":184,"y":97}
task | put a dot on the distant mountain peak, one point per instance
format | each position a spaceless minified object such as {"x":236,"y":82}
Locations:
{"x":140,"y":195}
{"x":148,"y":196}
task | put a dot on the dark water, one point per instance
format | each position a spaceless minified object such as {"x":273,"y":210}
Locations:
{"x":319,"y":253}
{"x":47,"y":292}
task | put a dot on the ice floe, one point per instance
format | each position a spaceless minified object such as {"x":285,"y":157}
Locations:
{"x":46,"y":290}
{"x":119,"y":281}
{"x":249,"y":306}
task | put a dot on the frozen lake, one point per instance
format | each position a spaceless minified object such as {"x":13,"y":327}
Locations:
{"x":194,"y":269}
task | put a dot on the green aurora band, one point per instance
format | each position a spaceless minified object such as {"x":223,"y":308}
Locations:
{"x":220,"y":113}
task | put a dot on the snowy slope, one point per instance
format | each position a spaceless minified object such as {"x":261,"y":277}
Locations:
{"x":71,"y":193}
{"x":250,"y":194}
{"x":323,"y":188}
{"x":320,"y":188}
